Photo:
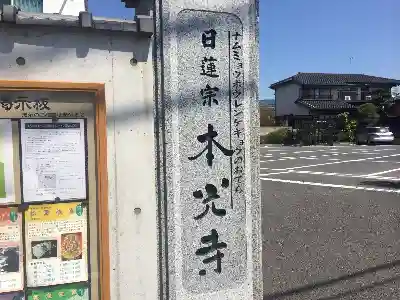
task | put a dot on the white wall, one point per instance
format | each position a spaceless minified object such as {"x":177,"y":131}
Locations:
{"x":71,"y":8}
{"x":285,"y":96}
{"x":102,"y":57}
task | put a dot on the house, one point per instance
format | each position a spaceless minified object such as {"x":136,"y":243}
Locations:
{"x":63,"y":7}
{"x":323,"y":95}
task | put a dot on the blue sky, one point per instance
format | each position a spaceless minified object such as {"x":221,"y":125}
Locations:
{"x":337,"y":36}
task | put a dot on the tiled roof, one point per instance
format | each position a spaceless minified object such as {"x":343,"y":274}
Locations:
{"x":325,"y":104}
{"x":335,"y":79}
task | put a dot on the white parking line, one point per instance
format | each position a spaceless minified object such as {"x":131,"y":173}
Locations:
{"x":383,"y":172}
{"x":334,"y":174}
{"x":304,"y":151}
{"x":352,"y":187}
{"x":337,"y":162}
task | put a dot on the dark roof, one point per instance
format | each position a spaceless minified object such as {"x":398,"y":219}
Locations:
{"x":131,"y":3}
{"x":325,"y":104}
{"x":335,"y":79}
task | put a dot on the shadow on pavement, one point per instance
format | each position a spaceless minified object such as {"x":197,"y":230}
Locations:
{"x":361,"y":289}
{"x":310,"y":287}
{"x":382,"y":183}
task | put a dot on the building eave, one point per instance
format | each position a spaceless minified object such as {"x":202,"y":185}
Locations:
{"x":315,"y":104}
{"x":282,"y":82}
{"x":133,"y":3}
{"x":11,"y":14}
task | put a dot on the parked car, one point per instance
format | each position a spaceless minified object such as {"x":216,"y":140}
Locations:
{"x":374,"y":135}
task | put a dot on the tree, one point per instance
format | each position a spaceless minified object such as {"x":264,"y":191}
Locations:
{"x":368,"y":114}
{"x":382,"y":99}
{"x":349,"y":126}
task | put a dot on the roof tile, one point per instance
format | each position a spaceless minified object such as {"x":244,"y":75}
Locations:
{"x":335,"y":79}
{"x":325,"y":104}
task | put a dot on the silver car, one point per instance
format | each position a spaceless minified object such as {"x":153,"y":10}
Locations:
{"x":374,"y":135}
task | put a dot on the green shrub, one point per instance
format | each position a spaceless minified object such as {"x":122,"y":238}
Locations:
{"x":274,"y":137}
{"x":350,"y":126}
{"x":367,"y":113}
{"x":343,"y":137}
{"x":263,"y":139}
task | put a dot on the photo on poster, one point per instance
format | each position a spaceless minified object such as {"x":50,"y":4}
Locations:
{"x":71,"y":246}
{"x":9,"y":259}
{"x":53,"y":159}
{"x":12,"y":296}
{"x":44,"y":249}
{"x":7,"y":188}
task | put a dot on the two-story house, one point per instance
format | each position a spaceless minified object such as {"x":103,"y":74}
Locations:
{"x":325,"y":94}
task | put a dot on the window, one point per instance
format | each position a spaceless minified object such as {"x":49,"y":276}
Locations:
{"x":27,"y":5}
{"x":368,"y":97}
{"x":324,"y":93}
{"x":347,"y":98}
{"x":308,"y":93}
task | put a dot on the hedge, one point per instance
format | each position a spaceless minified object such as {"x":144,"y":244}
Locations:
{"x":275,"y":137}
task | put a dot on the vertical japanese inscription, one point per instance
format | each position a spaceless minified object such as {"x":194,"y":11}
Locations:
{"x":209,"y":69}
{"x":237,"y":97}
{"x":214,"y":245}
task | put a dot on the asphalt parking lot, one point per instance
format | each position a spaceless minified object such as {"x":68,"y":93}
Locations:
{"x":331,"y":222}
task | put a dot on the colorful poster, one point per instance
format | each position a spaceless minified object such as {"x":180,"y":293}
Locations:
{"x":53,"y":159}
{"x":11,"y":256}
{"x":7,"y":189}
{"x":56,"y":244}
{"x":12,"y":296}
{"x":65,"y":292}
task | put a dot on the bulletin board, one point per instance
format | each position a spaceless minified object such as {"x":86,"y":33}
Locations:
{"x":53,"y":192}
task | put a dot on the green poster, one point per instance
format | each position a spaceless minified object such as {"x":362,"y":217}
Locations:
{"x":63,"y":292}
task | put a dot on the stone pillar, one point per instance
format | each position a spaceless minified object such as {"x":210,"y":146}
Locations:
{"x":207,"y":131}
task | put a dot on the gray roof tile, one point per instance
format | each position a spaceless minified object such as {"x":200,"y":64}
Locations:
{"x":335,"y":79}
{"x":325,"y":104}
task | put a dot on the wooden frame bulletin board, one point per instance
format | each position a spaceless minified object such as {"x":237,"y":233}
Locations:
{"x":100,"y":134}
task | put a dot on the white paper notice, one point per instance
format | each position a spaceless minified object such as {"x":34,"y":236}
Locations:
{"x":7,"y":188}
{"x":53,"y":159}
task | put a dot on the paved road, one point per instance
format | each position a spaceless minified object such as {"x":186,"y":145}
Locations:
{"x":331,"y":222}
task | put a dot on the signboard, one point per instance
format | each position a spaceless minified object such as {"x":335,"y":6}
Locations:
{"x":7,"y":188}
{"x":11,"y":256}
{"x":212,"y":151}
{"x":56,"y":244}
{"x":47,"y":167}
{"x":12,"y":296}
{"x":65,"y":292}
{"x":53,"y":159}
